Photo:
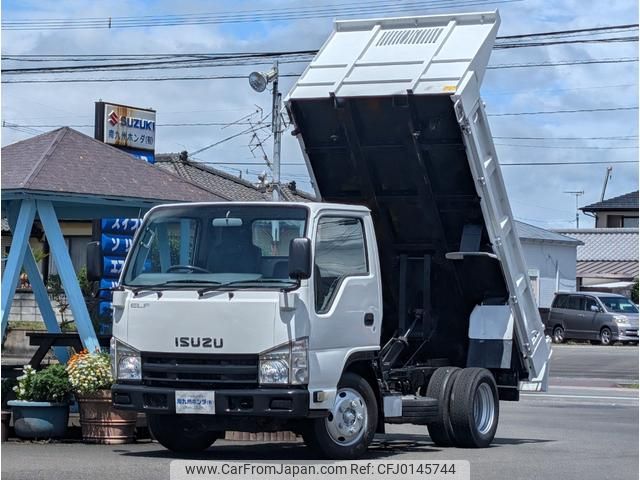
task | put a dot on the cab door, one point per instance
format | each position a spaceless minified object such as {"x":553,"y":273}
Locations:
{"x":595,"y":318}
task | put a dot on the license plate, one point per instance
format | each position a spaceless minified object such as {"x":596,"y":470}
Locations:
{"x":196,"y":401}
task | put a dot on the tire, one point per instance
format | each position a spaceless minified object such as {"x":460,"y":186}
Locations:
{"x":180,"y":434}
{"x":606,"y":338}
{"x":558,"y":334}
{"x":474,"y":408}
{"x":329,"y":438}
{"x":440,"y":387}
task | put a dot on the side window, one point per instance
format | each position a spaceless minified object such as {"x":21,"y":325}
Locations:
{"x":560,"y":301}
{"x":340,"y":253}
{"x":590,"y":302}
{"x":575,"y":302}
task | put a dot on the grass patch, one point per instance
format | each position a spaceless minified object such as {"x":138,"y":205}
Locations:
{"x":633,"y":386}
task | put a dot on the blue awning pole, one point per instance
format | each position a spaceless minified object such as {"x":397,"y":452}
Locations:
{"x":68,"y":276}
{"x":19,"y":245}
{"x":41,"y":294}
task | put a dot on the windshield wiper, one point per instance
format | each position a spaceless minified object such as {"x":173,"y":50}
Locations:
{"x":158,"y":287}
{"x":293,"y":284}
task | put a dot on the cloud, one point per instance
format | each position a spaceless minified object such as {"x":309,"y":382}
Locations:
{"x":536,"y":192}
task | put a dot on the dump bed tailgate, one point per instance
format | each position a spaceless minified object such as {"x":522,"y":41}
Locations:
{"x":389,"y":115}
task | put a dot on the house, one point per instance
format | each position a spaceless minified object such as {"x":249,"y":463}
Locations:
{"x":616,"y":212}
{"x":607,"y":258}
{"x":551,"y":261}
{"x":231,"y":187}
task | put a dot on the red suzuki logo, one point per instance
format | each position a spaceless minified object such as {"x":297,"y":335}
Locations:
{"x":114,"y":118}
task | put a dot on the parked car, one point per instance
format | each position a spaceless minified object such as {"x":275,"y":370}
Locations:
{"x":602,"y":318}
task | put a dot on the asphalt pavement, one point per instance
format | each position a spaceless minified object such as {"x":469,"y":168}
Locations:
{"x":618,"y":364}
{"x":571,"y":432}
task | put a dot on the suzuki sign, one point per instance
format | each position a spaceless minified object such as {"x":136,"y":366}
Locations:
{"x":126,"y":127}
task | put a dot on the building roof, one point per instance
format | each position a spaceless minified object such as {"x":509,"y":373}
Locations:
{"x":531,"y":233}
{"x":628,"y":201}
{"x":606,"y":244}
{"x":606,"y":269}
{"x":223,"y":184}
{"x":65,"y":161}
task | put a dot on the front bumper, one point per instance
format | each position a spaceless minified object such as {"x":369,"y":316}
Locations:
{"x":267,"y":402}
{"x":626,"y":334}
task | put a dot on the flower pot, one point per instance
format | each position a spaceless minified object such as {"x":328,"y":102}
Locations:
{"x":101,"y":423}
{"x":6,"y":418}
{"x":39,"y":420}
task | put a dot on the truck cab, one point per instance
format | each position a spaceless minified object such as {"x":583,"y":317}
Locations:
{"x":245,"y":311}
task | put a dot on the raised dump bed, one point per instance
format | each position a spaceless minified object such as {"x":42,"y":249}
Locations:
{"x":389,"y":116}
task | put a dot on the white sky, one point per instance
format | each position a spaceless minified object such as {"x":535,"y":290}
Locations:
{"x":536,"y":192}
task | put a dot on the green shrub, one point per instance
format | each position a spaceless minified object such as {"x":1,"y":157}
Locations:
{"x":48,"y":385}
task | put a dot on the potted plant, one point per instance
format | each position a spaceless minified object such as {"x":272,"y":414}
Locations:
{"x":91,"y":379}
{"x":42,"y":407}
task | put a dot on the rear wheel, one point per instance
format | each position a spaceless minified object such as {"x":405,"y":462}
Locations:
{"x":180,"y":433}
{"x":606,"y":338}
{"x":558,"y":334}
{"x":474,"y":408}
{"x":348,"y":430}
{"x":440,"y":387}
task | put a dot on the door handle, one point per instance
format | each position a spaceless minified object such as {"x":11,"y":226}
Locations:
{"x":368,"y":319}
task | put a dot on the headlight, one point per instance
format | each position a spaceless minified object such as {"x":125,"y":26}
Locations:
{"x":620,"y":319}
{"x":286,"y":364}
{"x":125,"y":361}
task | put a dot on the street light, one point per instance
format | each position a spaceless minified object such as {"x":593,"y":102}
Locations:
{"x":259,"y":82}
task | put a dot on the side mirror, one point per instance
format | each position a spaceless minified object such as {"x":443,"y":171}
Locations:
{"x":595,"y":308}
{"x":94,"y":262}
{"x":300,"y":258}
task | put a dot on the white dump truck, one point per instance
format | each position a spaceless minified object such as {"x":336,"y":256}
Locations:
{"x":401,"y":297}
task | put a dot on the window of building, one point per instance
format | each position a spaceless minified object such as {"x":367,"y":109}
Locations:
{"x":340,"y":253}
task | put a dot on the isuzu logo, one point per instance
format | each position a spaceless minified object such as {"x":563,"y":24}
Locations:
{"x":204,"y":342}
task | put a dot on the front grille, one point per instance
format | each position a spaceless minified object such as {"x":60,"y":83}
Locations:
{"x":632,"y":333}
{"x":200,"y":371}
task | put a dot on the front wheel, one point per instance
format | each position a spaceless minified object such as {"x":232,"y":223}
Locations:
{"x":606,"y":338}
{"x":181,"y":434}
{"x":474,"y":408}
{"x":349,"y":428}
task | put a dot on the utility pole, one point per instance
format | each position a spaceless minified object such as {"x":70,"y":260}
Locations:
{"x":259,"y":82}
{"x":607,"y":176}
{"x":577,"y":193}
{"x":277,"y":134}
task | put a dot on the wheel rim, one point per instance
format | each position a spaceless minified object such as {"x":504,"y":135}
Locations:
{"x":558,"y":334}
{"x":347,"y":421}
{"x":605,"y":335}
{"x":484,"y":408}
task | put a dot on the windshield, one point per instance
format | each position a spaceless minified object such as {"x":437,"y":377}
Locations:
{"x":215,"y":245}
{"x":618,"y":305}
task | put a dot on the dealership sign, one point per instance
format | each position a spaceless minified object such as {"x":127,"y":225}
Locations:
{"x":126,"y":127}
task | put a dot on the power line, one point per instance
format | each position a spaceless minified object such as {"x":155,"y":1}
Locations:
{"x":256,"y":59}
{"x":564,"y":62}
{"x":614,"y":137}
{"x":604,"y":162}
{"x":565,"y":147}
{"x":549,"y":112}
{"x":240,"y":16}
{"x":146,"y":79}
